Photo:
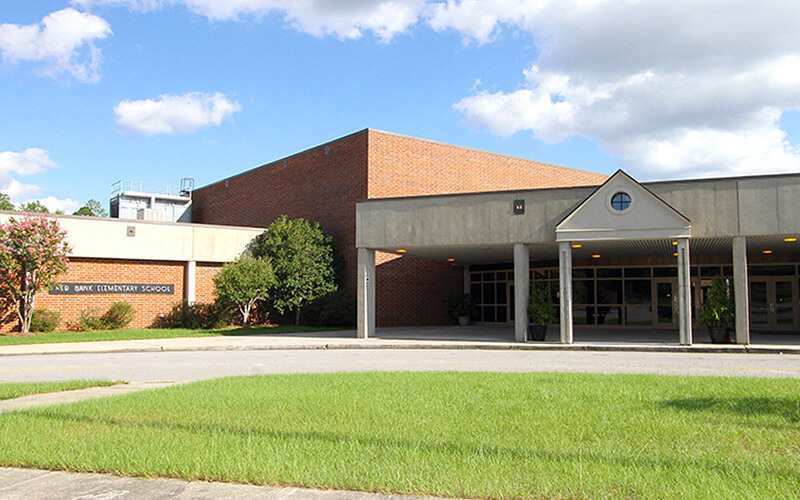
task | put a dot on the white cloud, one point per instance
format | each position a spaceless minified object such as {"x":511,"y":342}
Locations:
{"x":53,"y":204}
{"x":345,"y":19}
{"x":174,"y":114}
{"x":62,"y":41}
{"x":18,"y":191}
{"x":671,"y":88}
{"x":32,"y":161}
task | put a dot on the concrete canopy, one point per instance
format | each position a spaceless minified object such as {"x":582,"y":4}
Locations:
{"x":645,"y":215}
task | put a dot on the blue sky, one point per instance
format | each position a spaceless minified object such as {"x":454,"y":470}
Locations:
{"x":93,"y":91}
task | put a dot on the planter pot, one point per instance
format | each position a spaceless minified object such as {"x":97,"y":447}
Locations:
{"x":537,"y":332}
{"x":719,"y":334}
{"x":463,"y":320}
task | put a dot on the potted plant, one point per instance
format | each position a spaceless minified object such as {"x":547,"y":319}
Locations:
{"x":719,"y":311}
{"x":541,"y":311}
{"x":460,"y":308}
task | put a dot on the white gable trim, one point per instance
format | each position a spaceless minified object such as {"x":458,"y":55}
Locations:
{"x":639,"y":215}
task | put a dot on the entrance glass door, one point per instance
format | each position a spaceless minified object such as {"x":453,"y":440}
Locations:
{"x":772,"y":302}
{"x":665,"y":310}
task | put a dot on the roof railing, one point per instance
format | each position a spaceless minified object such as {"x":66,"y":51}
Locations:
{"x":122,"y":186}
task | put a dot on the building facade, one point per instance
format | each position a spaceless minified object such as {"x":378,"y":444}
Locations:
{"x":622,"y":255}
{"x":324,"y":183}
{"x":151,"y":265}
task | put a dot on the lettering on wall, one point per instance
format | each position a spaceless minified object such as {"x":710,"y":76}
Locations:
{"x":112,"y":288}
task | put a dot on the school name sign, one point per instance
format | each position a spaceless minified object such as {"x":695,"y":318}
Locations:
{"x":112,"y":288}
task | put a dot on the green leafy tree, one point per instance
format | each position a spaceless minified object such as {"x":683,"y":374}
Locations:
{"x":5,"y":202}
{"x":302,"y":256}
{"x":92,"y":208}
{"x":33,"y":252}
{"x":34,"y":207}
{"x":244,"y":282}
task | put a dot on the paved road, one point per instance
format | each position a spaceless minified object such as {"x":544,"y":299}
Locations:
{"x":189,"y":366}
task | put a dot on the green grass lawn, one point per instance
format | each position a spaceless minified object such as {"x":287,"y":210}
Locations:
{"x":18,"y":389}
{"x":479,"y":435}
{"x":151,"y":333}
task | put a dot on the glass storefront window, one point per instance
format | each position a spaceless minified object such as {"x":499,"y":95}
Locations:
{"x":582,"y":315}
{"x":609,"y":291}
{"x":583,"y":292}
{"x":637,"y":272}
{"x":609,"y":315}
{"x":665,"y":272}
{"x":609,"y":273}
{"x":638,"y":315}
{"x":638,"y":292}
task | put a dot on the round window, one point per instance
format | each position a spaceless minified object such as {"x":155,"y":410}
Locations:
{"x":621,"y":201}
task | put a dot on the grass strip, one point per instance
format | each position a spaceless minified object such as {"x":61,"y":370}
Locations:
{"x":18,"y":389}
{"x":152,"y":333}
{"x":478,"y":435}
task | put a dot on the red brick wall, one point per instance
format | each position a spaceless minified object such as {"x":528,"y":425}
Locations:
{"x":147,"y":307}
{"x":406,"y":166}
{"x":315,"y":185}
{"x":412,"y":291}
{"x":204,"y":282}
{"x":324,"y":187}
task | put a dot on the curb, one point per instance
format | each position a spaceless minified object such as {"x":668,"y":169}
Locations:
{"x":698,"y":349}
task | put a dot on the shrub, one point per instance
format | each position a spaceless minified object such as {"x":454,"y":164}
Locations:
{"x":245,"y":281}
{"x":44,"y":320}
{"x":208,"y":316}
{"x":303,"y":260}
{"x":119,"y":315}
{"x":91,"y":319}
{"x":333,"y":309}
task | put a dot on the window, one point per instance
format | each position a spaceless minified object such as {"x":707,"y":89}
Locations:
{"x":621,"y":201}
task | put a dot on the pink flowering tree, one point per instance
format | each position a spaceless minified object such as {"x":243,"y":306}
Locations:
{"x":33,"y":252}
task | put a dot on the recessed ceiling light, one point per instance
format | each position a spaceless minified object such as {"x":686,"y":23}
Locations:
{"x":451,"y":260}
{"x":675,"y":243}
{"x":675,"y":254}
{"x":596,"y":256}
{"x":401,"y":250}
{"x":577,"y":245}
{"x":766,"y":251}
{"x":790,"y":239}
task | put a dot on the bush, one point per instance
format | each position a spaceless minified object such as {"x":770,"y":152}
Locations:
{"x":119,"y":315}
{"x":44,"y":320}
{"x":209,"y":316}
{"x":91,"y":319}
{"x":333,"y":309}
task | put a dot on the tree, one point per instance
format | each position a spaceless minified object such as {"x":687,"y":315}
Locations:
{"x":245,"y":281}
{"x":5,"y":202}
{"x":34,"y":207}
{"x":92,"y":208}
{"x":302,"y":256}
{"x":33,"y":252}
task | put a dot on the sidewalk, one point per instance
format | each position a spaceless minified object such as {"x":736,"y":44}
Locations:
{"x":32,"y":484}
{"x":57,"y":397}
{"x":398,"y":338}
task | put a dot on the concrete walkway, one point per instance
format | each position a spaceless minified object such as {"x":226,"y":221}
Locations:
{"x":30,"y":484}
{"x":470,"y":337}
{"x":49,"y":398}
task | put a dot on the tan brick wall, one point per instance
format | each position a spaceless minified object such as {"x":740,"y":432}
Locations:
{"x":147,"y":307}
